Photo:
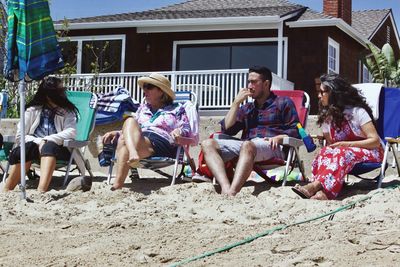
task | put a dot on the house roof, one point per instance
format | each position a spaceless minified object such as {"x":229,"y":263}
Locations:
{"x":366,"y":22}
{"x":203,"y":9}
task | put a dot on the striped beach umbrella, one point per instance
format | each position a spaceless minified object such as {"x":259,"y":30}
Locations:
{"x":32,"y":52}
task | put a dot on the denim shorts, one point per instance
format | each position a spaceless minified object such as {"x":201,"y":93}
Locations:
{"x":161,"y":146}
{"x":231,"y":148}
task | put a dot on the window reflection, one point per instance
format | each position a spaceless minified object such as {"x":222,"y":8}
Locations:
{"x":227,"y":56}
{"x":101,"y":56}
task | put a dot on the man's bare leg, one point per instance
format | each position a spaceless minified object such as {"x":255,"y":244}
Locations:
{"x":244,"y":167}
{"x":215,"y":163}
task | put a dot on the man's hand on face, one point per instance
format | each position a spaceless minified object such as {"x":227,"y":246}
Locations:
{"x":243,"y":94}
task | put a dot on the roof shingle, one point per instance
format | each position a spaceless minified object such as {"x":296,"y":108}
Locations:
{"x":367,"y":21}
{"x":203,"y":9}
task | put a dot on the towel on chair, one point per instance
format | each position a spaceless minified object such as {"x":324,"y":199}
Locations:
{"x":112,"y":106}
{"x":371,"y":92}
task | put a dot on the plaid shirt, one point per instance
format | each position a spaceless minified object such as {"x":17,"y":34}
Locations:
{"x":276,"y":116}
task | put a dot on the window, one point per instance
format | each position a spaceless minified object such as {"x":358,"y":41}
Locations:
{"x":104,"y":54}
{"x":333,"y":56}
{"x":226,"y":55}
{"x":366,"y":75}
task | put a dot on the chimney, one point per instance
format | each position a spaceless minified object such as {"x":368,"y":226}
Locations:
{"x":338,"y":9}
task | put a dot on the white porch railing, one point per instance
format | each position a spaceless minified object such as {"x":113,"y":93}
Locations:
{"x":215,"y":89}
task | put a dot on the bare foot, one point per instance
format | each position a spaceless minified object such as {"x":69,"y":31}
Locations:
{"x":133,"y":163}
{"x":320,"y":195}
{"x":115,"y":187}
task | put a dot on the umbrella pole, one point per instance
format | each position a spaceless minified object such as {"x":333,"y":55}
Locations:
{"x":21,"y":90}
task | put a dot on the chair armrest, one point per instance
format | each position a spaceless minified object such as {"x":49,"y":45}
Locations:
{"x":291,"y":141}
{"x":393,"y":140}
{"x":185,"y":141}
{"x":74,"y":143}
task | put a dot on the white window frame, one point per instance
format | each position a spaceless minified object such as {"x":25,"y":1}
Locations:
{"x":335,"y":45}
{"x":239,"y":40}
{"x":81,"y":39}
{"x":369,"y":78}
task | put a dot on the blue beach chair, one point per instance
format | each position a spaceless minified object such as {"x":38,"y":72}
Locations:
{"x":183,"y":158}
{"x":388,"y":127}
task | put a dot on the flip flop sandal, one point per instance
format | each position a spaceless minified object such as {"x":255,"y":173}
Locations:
{"x":303,"y":193}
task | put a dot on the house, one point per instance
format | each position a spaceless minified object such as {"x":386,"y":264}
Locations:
{"x":296,"y":43}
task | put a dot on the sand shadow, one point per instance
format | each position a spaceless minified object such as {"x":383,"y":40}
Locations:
{"x":363,"y":187}
{"x":146,"y":186}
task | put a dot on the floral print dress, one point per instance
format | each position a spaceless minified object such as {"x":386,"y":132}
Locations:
{"x":333,"y":163}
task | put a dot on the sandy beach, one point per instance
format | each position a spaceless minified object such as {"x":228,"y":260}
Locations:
{"x":150,"y":223}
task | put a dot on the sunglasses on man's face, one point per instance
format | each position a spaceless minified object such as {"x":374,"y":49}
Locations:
{"x":148,"y":86}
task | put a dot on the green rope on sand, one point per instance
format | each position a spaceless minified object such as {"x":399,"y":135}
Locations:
{"x":278,"y":228}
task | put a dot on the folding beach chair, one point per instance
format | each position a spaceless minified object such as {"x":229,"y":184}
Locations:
{"x":189,"y":100}
{"x":388,"y":127}
{"x":293,"y":159}
{"x":301,"y":101}
{"x":86,"y":104}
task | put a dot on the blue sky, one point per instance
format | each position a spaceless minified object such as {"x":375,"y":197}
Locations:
{"x":86,"y":8}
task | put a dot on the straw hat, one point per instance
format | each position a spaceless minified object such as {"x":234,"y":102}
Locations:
{"x":160,"y":81}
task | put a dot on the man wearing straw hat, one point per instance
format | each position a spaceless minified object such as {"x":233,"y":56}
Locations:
{"x":153,"y":129}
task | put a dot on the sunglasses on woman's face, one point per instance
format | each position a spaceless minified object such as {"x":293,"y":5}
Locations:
{"x":322,"y":92}
{"x":148,"y":86}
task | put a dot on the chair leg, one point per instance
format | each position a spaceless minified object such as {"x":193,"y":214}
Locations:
{"x":382,"y":174}
{"x":68,"y":168}
{"x":6,"y":172}
{"x":396,"y":160}
{"x":289,"y":157}
{"x":88,"y":168}
{"x":300,"y":162}
{"x":110,"y":169}
{"x":178,"y":152}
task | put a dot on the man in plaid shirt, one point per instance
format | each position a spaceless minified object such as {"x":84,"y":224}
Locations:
{"x":264,"y":123}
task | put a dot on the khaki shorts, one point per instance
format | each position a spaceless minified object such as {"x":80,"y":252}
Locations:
{"x":231,"y":148}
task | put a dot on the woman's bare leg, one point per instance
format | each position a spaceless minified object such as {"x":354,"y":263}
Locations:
{"x":47,"y":167}
{"x":122,"y":167}
{"x":15,"y":176}
{"x":135,"y":142}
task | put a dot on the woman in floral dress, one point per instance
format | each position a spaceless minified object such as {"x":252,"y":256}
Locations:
{"x":153,"y":129}
{"x":349,"y":129}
